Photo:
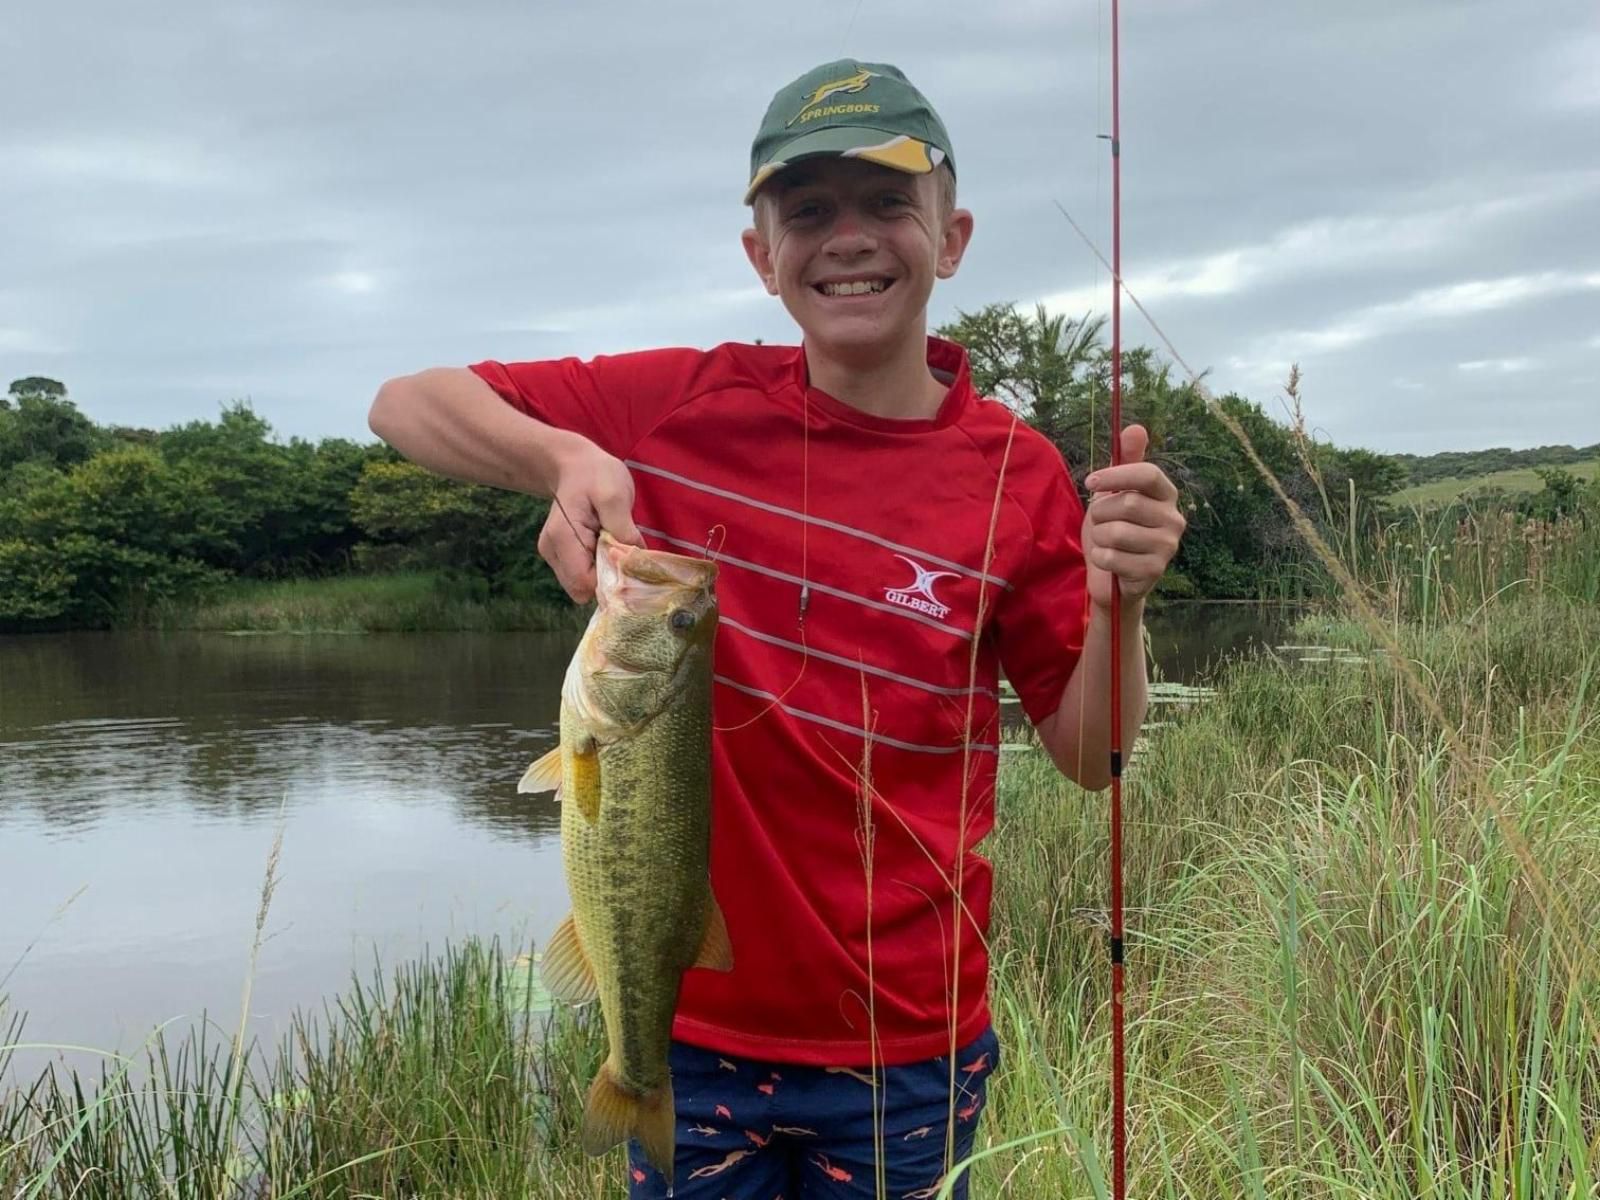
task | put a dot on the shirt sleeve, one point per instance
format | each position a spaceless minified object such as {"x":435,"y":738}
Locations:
{"x":613,"y":400}
{"x":1042,"y":620}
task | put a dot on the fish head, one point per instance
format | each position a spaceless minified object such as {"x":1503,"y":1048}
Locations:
{"x":655,"y":619}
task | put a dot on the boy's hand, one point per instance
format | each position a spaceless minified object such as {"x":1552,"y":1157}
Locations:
{"x":1133,"y":526}
{"x":595,"y":491}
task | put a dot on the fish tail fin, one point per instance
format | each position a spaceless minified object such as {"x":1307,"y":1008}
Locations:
{"x":614,"y":1113}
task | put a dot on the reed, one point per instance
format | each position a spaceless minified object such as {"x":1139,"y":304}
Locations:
{"x":400,"y":603}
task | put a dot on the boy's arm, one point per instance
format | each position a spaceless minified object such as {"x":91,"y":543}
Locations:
{"x":1078,"y":734}
{"x":1131,"y":531}
{"x":449,"y":420}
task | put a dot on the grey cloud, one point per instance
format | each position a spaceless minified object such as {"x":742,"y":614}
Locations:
{"x":292,"y":202}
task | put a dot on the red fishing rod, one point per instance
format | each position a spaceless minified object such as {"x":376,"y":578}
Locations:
{"x":1118,"y":1114}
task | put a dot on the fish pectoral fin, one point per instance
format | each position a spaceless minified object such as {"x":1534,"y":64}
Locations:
{"x":544,"y":775}
{"x":586,"y":780}
{"x":566,"y":969}
{"x":716,"y":950}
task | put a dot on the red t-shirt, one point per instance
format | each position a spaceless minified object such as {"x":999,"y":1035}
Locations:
{"x":887,"y":521}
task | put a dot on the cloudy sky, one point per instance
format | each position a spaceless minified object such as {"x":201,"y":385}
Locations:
{"x":288,"y":202}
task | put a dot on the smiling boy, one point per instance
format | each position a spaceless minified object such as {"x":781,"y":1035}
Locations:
{"x":891,"y":544}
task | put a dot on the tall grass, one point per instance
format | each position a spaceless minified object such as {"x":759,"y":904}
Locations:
{"x":1340,"y":981}
{"x":1339,"y":984}
{"x":443,"y":1078}
{"x":1435,"y":567}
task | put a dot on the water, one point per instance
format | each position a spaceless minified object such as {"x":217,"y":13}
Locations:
{"x":142,"y":782}
{"x":143,"y":779}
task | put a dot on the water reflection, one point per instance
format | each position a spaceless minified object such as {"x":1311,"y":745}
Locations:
{"x":231,"y":725}
{"x":1188,"y":642}
{"x":146,"y":776}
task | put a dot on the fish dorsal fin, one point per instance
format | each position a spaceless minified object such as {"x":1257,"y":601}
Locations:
{"x":716,"y":950}
{"x":544,"y":775}
{"x":565,"y":968}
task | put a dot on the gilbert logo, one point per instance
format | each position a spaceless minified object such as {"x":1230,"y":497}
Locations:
{"x":849,"y":85}
{"x":918,"y":594}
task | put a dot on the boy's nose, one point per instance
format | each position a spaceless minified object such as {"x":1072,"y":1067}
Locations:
{"x":850,"y":234}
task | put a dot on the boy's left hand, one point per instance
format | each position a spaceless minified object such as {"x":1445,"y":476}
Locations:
{"x":1132,"y":527}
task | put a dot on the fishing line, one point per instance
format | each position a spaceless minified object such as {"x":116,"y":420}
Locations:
{"x":804,"y":600}
{"x":557,"y":500}
{"x":844,"y":42}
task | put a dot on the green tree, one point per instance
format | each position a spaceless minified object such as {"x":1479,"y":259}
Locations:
{"x":38,"y":423}
{"x":1562,"y":495}
{"x":417,"y":519}
{"x":38,"y":385}
{"x":241,"y":483}
{"x":1056,"y":373}
{"x":111,"y":536}
{"x":1039,"y":365}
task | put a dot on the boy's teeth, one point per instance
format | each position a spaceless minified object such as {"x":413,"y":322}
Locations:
{"x":859,"y":288}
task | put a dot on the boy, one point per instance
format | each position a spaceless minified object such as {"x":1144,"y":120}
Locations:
{"x":890,"y":543}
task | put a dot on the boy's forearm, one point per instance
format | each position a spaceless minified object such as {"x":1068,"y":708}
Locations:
{"x":450,"y":421}
{"x":1078,"y":735}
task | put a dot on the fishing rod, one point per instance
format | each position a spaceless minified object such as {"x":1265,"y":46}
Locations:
{"x":1118,"y":1095}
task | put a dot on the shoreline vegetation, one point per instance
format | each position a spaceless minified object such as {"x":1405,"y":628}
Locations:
{"x":222,"y":524}
{"x":1359,"y":882}
{"x":399,"y":602}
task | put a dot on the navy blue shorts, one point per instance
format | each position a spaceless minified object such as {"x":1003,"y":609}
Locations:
{"x":774,"y":1131}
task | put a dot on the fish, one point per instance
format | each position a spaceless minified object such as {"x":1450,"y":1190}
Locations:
{"x":632,"y":771}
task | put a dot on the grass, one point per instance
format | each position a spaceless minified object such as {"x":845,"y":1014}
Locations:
{"x":1343,"y":981}
{"x":1511,"y":481}
{"x":408,"y":602}
{"x":1340,"y":982}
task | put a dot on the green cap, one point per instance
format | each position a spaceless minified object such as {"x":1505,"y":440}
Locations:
{"x":852,"y":109}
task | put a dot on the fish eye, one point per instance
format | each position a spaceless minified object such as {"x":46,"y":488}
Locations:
{"x":681,"y":620}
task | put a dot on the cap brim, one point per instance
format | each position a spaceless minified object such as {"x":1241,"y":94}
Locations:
{"x":896,"y":150}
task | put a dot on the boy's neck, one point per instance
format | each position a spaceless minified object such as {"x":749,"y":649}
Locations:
{"x":898,"y":385}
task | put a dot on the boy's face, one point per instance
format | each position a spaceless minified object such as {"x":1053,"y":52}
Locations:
{"x":832,"y":225}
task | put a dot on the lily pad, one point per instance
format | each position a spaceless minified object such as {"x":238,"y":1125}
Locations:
{"x":525,"y":990}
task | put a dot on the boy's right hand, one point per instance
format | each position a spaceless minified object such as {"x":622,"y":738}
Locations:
{"x":595,"y":490}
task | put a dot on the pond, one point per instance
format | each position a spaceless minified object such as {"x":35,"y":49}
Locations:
{"x":145,"y":777}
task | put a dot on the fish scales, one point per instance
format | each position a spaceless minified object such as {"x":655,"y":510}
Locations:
{"x":639,"y":878}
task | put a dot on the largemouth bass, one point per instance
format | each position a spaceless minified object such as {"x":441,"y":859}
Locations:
{"x":633,"y":774}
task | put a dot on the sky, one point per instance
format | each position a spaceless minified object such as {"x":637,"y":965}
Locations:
{"x":287,"y":203}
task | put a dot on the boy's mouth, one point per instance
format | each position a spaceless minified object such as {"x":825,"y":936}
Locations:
{"x":854,"y":287}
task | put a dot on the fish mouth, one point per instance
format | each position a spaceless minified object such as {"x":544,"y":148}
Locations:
{"x":638,"y":579}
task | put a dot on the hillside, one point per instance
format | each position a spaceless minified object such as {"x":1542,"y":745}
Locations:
{"x":1517,"y":479}
{"x":1462,"y":465}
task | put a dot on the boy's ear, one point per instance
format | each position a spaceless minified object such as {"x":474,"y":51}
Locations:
{"x":957,"y":235}
{"x":760,"y":256}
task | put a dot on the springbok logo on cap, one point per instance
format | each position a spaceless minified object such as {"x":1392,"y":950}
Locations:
{"x":918,"y":594}
{"x":847,"y":86}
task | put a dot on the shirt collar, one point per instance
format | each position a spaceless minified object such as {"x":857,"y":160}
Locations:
{"x":946,"y":359}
